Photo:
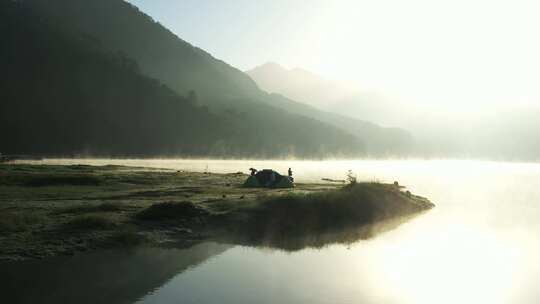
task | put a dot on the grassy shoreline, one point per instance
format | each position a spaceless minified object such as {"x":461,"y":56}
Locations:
{"x":60,"y":210}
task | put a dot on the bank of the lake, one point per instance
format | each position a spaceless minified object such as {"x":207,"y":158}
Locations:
{"x":50,"y":210}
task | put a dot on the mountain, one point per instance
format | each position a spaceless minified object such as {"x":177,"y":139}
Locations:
{"x":265,"y":120}
{"x":298,"y":84}
{"x":120,"y":27}
{"x":303,"y":92}
{"x":328,"y":95}
{"x":378,"y":141}
{"x":63,"y":93}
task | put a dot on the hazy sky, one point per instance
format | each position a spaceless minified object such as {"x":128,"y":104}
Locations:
{"x":454,"y":53}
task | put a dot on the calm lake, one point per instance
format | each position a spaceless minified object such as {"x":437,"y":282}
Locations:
{"x":479,"y":245}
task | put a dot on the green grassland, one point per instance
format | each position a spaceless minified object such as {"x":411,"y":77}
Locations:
{"x":60,"y":210}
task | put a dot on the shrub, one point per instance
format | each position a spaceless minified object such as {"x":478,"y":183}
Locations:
{"x":351,"y":177}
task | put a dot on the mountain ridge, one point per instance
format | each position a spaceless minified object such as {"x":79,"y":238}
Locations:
{"x":298,"y":84}
{"x":184,"y":68}
{"x":66,"y":95}
{"x":326,"y":94}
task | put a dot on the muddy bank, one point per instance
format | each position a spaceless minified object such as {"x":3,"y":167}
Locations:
{"x":47,"y":211}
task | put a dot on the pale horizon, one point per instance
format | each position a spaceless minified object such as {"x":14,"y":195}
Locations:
{"x":453,"y":54}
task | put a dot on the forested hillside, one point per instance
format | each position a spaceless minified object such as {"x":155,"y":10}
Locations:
{"x":120,"y":27}
{"x":64,"y":94}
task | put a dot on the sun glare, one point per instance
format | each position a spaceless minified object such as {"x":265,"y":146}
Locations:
{"x":451,"y":53}
{"x":461,"y":264}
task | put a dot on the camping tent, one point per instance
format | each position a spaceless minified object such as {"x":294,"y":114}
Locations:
{"x":270,"y":179}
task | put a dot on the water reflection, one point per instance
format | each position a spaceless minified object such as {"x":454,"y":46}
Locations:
{"x":259,"y":233}
{"x":100,"y":277}
{"x":153,"y":274}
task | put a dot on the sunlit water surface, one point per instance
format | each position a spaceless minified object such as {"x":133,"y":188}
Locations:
{"x":479,"y":245}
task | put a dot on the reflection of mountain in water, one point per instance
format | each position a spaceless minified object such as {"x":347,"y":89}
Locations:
{"x":100,"y":277}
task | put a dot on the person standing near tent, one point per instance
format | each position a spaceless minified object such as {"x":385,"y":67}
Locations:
{"x":290,"y":175}
{"x":253,"y":171}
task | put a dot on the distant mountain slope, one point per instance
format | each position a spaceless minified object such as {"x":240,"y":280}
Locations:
{"x":120,"y":27}
{"x":378,"y":141}
{"x":63,"y":94}
{"x":298,"y":84}
{"x":328,"y":95}
{"x":316,"y":93}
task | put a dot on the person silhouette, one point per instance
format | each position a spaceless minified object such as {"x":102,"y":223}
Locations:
{"x":290,"y":175}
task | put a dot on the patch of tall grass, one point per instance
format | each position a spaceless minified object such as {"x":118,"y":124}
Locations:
{"x":314,"y":214}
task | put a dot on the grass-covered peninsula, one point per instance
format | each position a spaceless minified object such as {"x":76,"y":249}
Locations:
{"x":60,"y":210}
